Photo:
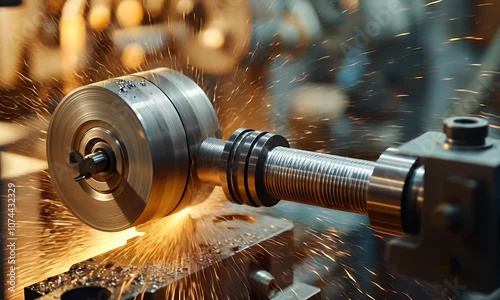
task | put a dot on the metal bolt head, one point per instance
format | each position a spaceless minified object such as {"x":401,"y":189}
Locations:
{"x":465,"y":131}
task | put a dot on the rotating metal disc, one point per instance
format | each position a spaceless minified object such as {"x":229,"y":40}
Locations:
{"x":133,"y":126}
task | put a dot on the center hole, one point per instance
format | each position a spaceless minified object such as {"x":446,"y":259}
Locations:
{"x":466,"y":121}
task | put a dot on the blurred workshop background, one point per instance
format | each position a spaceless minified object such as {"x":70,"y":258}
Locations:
{"x":347,"y":77}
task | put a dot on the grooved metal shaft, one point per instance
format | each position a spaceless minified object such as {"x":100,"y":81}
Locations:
{"x":318,"y":179}
{"x":266,"y":171}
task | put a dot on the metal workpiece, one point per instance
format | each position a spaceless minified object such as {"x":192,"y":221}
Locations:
{"x":387,"y":192}
{"x":115,"y":138}
{"x":198,"y":120}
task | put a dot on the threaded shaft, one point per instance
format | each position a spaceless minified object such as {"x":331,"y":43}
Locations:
{"x":318,"y":179}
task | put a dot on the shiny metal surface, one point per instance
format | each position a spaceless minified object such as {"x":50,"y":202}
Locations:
{"x":413,"y":203}
{"x":262,"y":284}
{"x":198,"y":119}
{"x":145,"y":129}
{"x":238,"y":165}
{"x":256,"y":169}
{"x":209,"y":164}
{"x":318,"y":179}
{"x":229,"y":178}
{"x":388,"y":185}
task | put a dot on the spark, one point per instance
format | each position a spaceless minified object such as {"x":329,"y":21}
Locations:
{"x":407,"y":296}
{"x":485,"y":4}
{"x":329,"y":257}
{"x":378,"y":285}
{"x":433,"y":2}
{"x":402,"y":34}
{"x":350,"y":276}
{"x":466,"y":91}
{"x":489,"y":115}
{"x":465,"y":38}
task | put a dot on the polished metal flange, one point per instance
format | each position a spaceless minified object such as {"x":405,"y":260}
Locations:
{"x":121,"y":151}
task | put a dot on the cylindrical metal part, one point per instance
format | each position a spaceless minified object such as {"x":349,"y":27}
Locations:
{"x":318,"y":179}
{"x":388,"y":188}
{"x":153,"y":124}
{"x":209,"y":168}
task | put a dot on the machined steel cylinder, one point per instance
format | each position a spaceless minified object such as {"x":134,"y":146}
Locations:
{"x":318,"y":179}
